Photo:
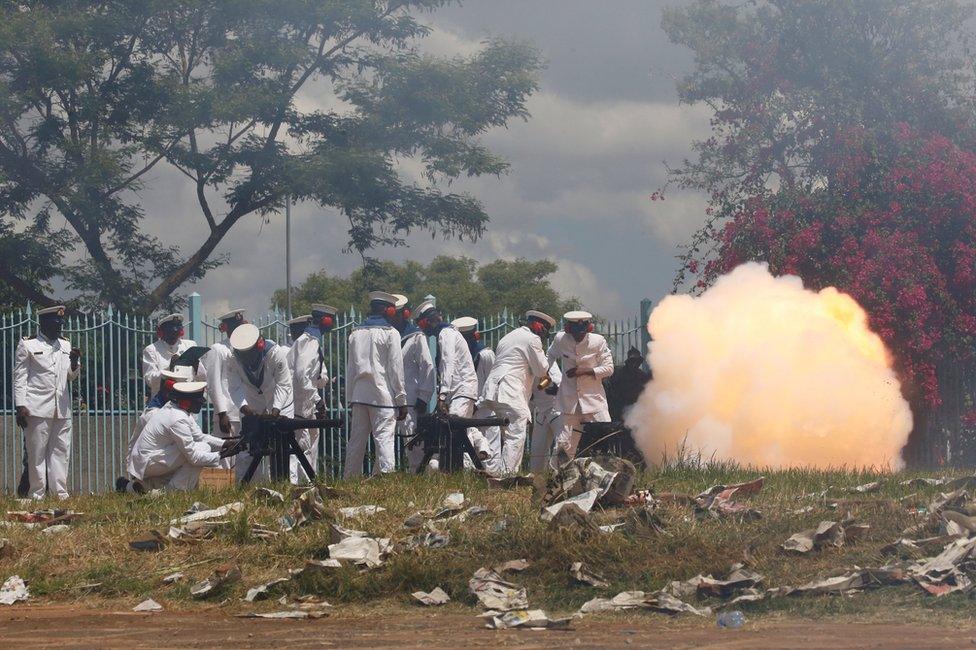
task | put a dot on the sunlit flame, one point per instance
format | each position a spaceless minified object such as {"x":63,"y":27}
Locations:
{"x":764,"y":372}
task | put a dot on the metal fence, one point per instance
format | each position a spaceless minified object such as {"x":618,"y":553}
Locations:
{"x":109,"y":394}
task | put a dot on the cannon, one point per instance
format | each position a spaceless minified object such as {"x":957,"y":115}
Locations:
{"x":447,"y":435}
{"x":274,"y":436}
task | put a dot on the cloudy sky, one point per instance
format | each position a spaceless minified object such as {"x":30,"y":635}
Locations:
{"x":582,"y":167}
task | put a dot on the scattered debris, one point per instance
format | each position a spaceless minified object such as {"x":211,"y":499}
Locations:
{"x":582,"y":573}
{"x":287,"y":614}
{"x":363,"y":551}
{"x":306,"y":506}
{"x":268,"y":495}
{"x":830,"y":533}
{"x":583,"y":502}
{"x":572,"y":518}
{"x":611,"y":477}
{"x":867,"y":488}
{"x":316,"y":566}
{"x":454,"y":501}
{"x":260,"y":592}
{"x":361,"y":511}
{"x":151,"y":542}
{"x":224,"y":574}
{"x":940,"y":575}
{"x":514,"y":566}
{"x":148,"y":605}
{"x":216,"y":513}
{"x":507,"y":482}
{"x":43,"y":517}
{"x":659,"y":601}
{"x":13,"y":590}
{"x":173,"y":578}
{"x":416,"y":521}
{"x":339,"y":533}
{"x":427,"y":540}
{"x":436,"y":596}
{"x":56,"y":529}
{"x":530,"y":618}
{"x":262,"y":532}
{"x":464,"y":515}
{"x":494,"y":592}
{"x":195,"y":531}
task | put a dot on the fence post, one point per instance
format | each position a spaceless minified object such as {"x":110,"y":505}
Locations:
{"x":645,"y":336}
{"x":195,"y":318}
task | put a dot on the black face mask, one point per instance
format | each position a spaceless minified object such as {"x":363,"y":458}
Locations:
{"x":297,"y":330}
{"x":51,"y":327}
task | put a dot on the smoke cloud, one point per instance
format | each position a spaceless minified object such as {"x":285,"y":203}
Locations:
{"x":763,"y":372}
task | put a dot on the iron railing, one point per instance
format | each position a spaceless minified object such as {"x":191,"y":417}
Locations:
{"x":109,"y":394}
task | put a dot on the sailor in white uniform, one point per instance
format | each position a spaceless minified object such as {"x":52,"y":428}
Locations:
{"x":43,"y":367}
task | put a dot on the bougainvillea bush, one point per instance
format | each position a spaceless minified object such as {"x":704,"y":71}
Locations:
{"x":843,"y":149}
{"x":894,"y":225}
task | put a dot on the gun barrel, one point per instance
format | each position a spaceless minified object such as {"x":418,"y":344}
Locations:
{"x":458,"y":421}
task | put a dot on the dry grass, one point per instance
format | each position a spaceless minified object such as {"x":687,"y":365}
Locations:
{"x":93,"y":563}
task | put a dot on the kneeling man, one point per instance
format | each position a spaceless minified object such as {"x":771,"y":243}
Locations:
{"x":172,"y":449}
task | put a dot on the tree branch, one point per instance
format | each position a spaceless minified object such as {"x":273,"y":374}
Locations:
{"x":23,"y":287}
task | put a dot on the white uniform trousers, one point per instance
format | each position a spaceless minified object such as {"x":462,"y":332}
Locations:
{"x":569,"y":433}
{"x":513,"y":435}
{"x":235,"y":430}
{"x":48,"y":449}
{"x":379,"y":421}
{"x":492,"y":440}
{"x":545,"y":423}
{"x":160,"y":477}
{"x":308,"y":441}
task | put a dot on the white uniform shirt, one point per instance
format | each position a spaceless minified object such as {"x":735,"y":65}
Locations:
{"x":542,"y":401}
{"x":172,"y":435}
{"x":519,"y":362}
{"x":455,"y":369}
{"x":226,"y":389}
{"x":42,"y":370}
{"x":156,"y":357}
{"x":418,"y":367}
{"x":308,"y":373}
{"x":486,"y":359}
{"x":374,"y":367}
{"x":275,"y":391}
{"x":582,"y":394}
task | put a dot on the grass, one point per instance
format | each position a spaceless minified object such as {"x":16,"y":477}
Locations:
{"x":92,"y":562}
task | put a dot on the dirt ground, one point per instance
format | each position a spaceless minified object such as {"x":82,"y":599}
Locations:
{"x":75,"y":627}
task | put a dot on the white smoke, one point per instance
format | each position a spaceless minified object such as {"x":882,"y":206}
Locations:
{"x":763,"y":372}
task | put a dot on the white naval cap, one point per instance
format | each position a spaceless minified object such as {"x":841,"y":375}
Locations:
{"x":56,"y":310}
{"x":465,"y":323}
{"x":169,"y":318}
{"x":546,"y":318}
{"x":245,"y":337}
{"x":233,"y":313}
{"x":190,"y":388}
{"x":382,"y":296}
{"x":298,"y":320}
{"x":425,"y":307}
{"x":578,"y":316}
{"x":179,"y":373}
{"x":401,"y":300}
{"x":324,"y":309}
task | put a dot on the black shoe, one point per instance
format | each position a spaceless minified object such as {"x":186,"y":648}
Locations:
{"x":121,"y":483}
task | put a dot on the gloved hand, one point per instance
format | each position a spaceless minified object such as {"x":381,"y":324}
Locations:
{"x":401,"y":413}
{"x":22,"y":415}
{"x":223,"y":421}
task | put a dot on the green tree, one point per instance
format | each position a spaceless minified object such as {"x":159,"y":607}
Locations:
{"x":98,"y":95}
{"x":460,"y":285}
{"x":787,"y":79}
